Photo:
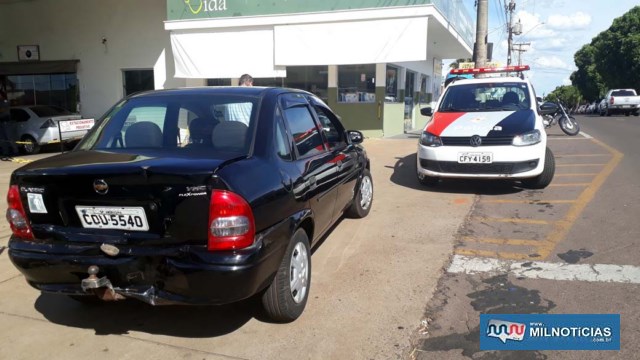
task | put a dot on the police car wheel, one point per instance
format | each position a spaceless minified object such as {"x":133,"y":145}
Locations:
{"x":544,"y":179}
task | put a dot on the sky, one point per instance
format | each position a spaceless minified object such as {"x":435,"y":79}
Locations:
{"x":556,"y":29}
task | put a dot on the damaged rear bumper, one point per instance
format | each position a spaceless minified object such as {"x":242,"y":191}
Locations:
{"x":178,"y":275}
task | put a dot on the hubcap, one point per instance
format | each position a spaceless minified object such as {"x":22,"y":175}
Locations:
{"x":28,"y":147}
{"x":366,"y":192}
{"x":568,"y":123}
{"x":299,"y":273}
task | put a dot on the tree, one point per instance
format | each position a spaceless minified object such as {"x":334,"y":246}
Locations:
{"x":617,"y":51}
{"x":586,"y":79}
{"x":567,"y":94}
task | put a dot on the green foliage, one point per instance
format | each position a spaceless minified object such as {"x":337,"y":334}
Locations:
{"x":569,"y":95}
{"x":611,"y":60}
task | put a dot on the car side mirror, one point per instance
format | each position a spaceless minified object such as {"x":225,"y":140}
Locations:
{"x":548,"y":108}
{"x":426,"y":111}
{"x":355,"y":136}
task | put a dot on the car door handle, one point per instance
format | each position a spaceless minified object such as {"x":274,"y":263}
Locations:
{"x":312,"y":183}
{"x":340,"y":164}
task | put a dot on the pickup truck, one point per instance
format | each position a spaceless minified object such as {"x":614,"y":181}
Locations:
{"x":620,"y":101}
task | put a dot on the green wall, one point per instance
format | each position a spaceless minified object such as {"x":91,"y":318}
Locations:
{"x":366,"y":117}
{"x":393,"y":119}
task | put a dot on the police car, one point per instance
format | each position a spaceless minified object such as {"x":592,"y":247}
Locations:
{"x":488,"y":127}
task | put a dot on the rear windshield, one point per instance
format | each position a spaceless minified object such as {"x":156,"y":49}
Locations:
{"x":486,"y":97}
{"x":180,"y":122}
{"x":623,"y":93}
{"x":46,"y":111}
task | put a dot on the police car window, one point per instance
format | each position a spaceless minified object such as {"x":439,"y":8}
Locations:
{"x":486,"y":97}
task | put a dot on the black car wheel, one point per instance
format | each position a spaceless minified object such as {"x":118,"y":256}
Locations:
{"x":285,"y":299}
{"x":361,"y":204}
{"x":544,"y":179}
{"x":30,"y":145}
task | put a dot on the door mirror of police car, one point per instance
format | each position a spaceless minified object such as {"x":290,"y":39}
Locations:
{"x":355,"y":136}
{"x":548,"y":108}
{"x":426,"y":111}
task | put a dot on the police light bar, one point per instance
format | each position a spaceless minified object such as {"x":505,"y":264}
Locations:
{"x":503,"y":69}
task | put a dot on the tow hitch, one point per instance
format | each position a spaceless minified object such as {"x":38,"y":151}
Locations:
{"x":101,"y":287}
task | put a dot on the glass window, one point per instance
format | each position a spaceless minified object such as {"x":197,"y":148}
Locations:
{"x":275,"y":82}
{"x":137,"y":80}
{"x":181,"y":122}
{"x":19,"y":115}
{"x":218,"y":82}
{"x":333,"y":131}
{"x":282,"y":140}
{"x":44,"y":110}
{"x":357,"y":83}
{"x":391,"y":89}
{"x":51,"y":89}
{"x":313,"y":79}
{"x":305,"y":133}
{"x":486,"y":97}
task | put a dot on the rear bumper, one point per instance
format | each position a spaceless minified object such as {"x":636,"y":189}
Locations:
{"x":156,"y":275}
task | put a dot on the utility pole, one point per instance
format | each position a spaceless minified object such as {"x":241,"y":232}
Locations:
{"x":510,"y":8}
{"x":482,"y":23}
{"x":520,"y":48}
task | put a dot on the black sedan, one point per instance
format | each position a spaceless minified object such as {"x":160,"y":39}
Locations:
{"x":191,"y":196}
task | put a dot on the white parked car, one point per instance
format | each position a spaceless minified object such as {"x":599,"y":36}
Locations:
{"x":486,"y":128}
{"x":37,"y":125}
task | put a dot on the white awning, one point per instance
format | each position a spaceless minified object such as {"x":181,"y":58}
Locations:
{"x":210,"y":54}
{"x":354,"y":42}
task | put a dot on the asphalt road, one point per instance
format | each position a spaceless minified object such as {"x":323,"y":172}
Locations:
{"x":557,"y":238}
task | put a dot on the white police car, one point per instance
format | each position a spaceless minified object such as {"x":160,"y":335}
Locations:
{"x":486,"y":127}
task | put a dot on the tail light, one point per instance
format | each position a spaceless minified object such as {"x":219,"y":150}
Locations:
{"x":611,"y":100}
{"x":16,"y":215}
{"x":231,"y":223}
{"x":48,"y":124}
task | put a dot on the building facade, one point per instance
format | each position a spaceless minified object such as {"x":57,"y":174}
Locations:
{"x":374,"y":62}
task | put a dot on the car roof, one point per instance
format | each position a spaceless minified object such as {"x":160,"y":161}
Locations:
{"x":212,"y":90}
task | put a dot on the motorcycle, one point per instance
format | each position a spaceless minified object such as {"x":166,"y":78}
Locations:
{"x":555,"y":113}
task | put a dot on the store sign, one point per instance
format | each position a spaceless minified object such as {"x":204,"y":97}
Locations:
{"x":200,"y":9}
{"x":76,"y":125}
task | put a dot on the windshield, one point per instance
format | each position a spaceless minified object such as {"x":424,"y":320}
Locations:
{"x":46,"y":111}
{"x":623,"y":93}
{"x":182,"y":122}
{"x":486,"y":97}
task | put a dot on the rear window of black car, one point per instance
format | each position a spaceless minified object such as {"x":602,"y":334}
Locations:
{"x":216,"y":122}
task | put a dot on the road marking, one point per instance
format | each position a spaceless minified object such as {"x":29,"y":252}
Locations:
{"x":580,"y":155}
{"x":562,"y":227}
{"x":547,"y":270}
{"x":543,"y":202}
{"x":510,"y":220}
{"x":576,"y":165}
{"x":569,"y":184}
{"x":516,"y":242}
{"x":587,"y":136}
{"x":16,"y":160}
{"x":576,"y":174}
{"x":494,"y":254}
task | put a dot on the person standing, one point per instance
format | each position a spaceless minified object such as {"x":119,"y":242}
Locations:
{"x":7,"y":144}
{"x":240,"y":111}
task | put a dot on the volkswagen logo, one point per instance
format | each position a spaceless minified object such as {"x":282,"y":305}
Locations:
{"x":100,"y":186}
{"x":475,"y":140}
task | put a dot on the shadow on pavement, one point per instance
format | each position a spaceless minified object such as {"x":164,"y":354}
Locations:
{"x":404,"y":174}
{"x":115,"y":318}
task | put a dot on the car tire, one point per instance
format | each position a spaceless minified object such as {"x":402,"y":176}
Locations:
{"x":282,"y":302}
{"x":363,"y":199}
{"x":32,"y":147}
{"x":544,"y":179}
{"x":429,"y":181}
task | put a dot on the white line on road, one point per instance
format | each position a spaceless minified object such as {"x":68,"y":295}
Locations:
{"x":547,"y":270}
{"x":586,"y":135}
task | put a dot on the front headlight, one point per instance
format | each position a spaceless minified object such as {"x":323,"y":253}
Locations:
{"x":428,"y":139}
{"x":530,"y":138}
